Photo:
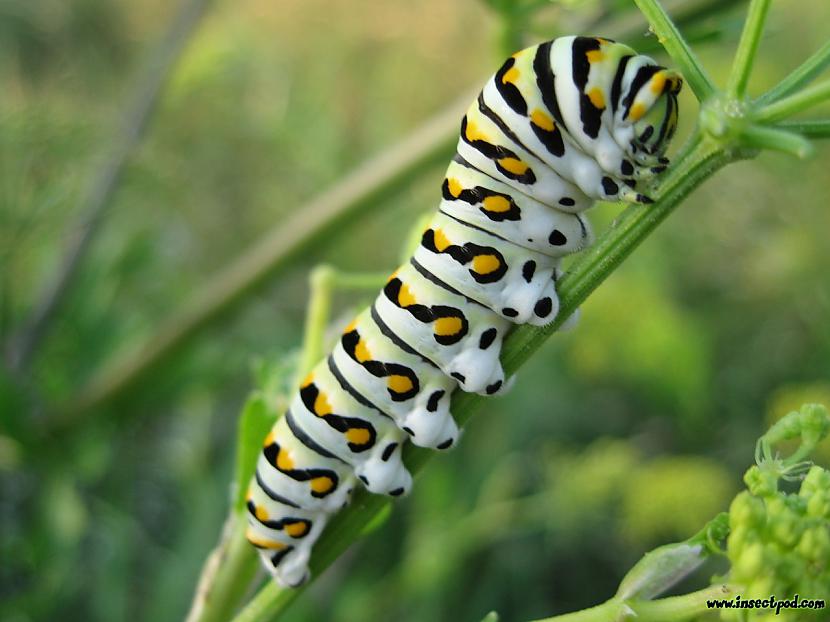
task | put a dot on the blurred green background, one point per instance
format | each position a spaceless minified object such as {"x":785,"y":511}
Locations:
{"x":628,"y":432}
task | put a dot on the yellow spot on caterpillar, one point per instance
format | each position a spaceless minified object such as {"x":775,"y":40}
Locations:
{"x":637,"y":111}
{"x":361,"y":352}
{"x":447,"y":326}
{"x":454,"y":186}
{"x":540,"y":119}
{"x":269,"y":440}
{"x":284,"y":461}
{"x":261,"y":513}
{"x":321,"y":484}
{"x":496,"y":204}
{"x":441,"y":240}
{"x":675,"y":83}
{"x":597,"y":98}
{"x":322,"y":407}
{"x":398,"y":383}
{"x":514,"y":165}
{"x":350,"y":327}
{"x":296,"y":530}
{"x":485,"y":264}
{"x":511,"y":76}
{"x":473,"y":133}
{"x":263,"y":543}
{"x":357,"y":436}
{"x":308,"y":379}
{"x":595,"y":56}
{"x":392,"y":276}
{"x":405,"y":296}
{"x":658,"y":82}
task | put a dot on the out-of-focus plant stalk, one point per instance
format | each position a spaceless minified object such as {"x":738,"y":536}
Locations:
{"x":104,"y":181}
{"x":366,"y":187}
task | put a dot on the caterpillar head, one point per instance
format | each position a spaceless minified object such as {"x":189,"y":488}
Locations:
{"x":649,"y":108}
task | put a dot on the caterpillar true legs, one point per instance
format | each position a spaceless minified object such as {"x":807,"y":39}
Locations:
{"x":559,"y":125}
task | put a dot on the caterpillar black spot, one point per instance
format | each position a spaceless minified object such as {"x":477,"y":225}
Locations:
{"x":558,"y":126}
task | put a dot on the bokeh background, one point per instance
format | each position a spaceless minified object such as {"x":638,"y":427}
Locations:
{"x":626,"y":433}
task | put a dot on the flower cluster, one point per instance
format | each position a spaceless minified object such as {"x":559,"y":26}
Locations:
{"x":779,"y":542}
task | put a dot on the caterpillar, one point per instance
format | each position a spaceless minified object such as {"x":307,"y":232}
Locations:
{"x":560,"y":125}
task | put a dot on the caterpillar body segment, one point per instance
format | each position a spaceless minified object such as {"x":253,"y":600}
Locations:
{"x":402,"y":384}
{"x":365,"y":439}
{"x":296,"y":470}
{"x":283,"y":534}
{"x":511,"y":280}
{"x":459,"y":335}
{"x":480,"y":201}
{"x":559,"y":125}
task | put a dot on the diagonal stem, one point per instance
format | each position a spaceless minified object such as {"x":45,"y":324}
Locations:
{"x":674,"y":43}
{"x":756,"y":17}
{"x":818,"y":128}
{"x":103,"y":185}
{"x":698,"y":162}
{"x":793,"y":104}
{"x":801,"y":76}
{"x":363,"y":189}
{"x":776,"y":139}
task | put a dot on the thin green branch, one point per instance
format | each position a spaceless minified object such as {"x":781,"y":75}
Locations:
{"x":103,"y":184}
{"x":744,"y":59}
{"x":316,"y":319}
{"x":801,"y":76}
{"x":359,"y":191}
{"x":776,"y":139}
{"x":819,"y":128}
{"x":696,"y":164}
{"x":671,"y":608}
{"x":226,"y":576}
{"x":674,"y":43}
{"x":793,"y":104}
{"x":323,"y":281}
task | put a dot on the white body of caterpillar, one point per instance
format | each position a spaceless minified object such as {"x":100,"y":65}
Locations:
{"x":560,"y":125}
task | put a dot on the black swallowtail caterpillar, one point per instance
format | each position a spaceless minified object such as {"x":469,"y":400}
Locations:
{"x":560,"y":125}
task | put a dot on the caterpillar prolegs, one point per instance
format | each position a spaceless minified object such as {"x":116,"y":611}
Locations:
{"x":559,"y":125}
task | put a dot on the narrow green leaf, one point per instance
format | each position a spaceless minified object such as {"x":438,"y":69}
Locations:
{"x":678,"y":48}
{"x":748,"y":47}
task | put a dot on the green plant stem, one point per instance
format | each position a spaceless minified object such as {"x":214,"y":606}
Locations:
{"x":801,"y":76}
{"x":323,"y":281}
{"x":316,"y":319}
{"x":744,"y":60}
{"x":682,"y":55}
{"x":811,"y":128}
{"x":138,"y":112}
{"x":697,"y":162}
{"x":226,"y":577}
{"x":673,"y":608}
{"x":776,"y":139}
{"x":793,"y":104}
{"x":366,"y":187}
